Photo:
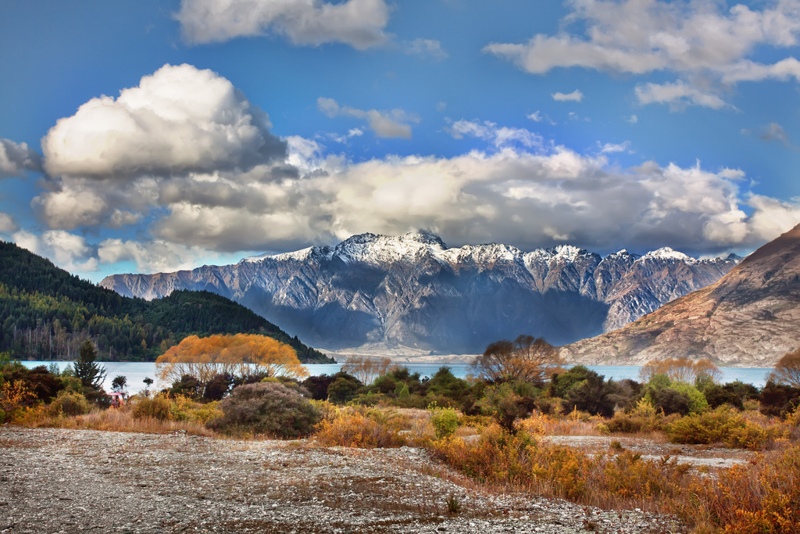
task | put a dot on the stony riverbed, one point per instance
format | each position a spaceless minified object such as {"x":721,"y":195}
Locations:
{"x":56,"y":480}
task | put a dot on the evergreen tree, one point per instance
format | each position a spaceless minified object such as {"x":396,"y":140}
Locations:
{"x":90,"y":373}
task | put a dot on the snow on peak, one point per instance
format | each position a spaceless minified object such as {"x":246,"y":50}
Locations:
{"x":377,"y":249}
{"x":666,"y":253}
{"x":567,"y":252}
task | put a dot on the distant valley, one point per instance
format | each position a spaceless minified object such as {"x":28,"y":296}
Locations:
{"x":413,"y":292}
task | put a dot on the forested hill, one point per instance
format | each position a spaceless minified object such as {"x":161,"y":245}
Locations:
{"x":45,"y":313}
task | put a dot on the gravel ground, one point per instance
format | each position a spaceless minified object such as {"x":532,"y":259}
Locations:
{"x":56,"y":480}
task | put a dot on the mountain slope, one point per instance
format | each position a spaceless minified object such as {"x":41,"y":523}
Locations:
{"x":411,"y":291}
{"x":751,"y":316}
{"x":45,"y":313}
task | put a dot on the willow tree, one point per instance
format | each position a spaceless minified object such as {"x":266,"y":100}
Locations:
{"x":787,"y":370}
{"x":681,"y":369}
{"x":239,"y":355}
{"x":527,"y":358}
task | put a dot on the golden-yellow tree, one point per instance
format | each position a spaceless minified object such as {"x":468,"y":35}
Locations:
{"x":240,"y":355}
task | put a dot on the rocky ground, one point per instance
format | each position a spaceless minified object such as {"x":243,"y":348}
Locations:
{"x":55,"y":480}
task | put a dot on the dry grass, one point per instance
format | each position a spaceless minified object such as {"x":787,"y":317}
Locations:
{"x":114,"y":420}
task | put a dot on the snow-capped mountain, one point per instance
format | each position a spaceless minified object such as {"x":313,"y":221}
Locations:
{"x":414,"y":291}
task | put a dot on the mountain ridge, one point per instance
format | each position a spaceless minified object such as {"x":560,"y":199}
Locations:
{"x":412,"y":290}
{"x":750,"y":316}
{"x":45,"y":313}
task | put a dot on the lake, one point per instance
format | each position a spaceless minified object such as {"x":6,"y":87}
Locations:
{"x":136,"y":372}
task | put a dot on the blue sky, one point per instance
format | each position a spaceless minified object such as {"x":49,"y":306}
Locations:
{"x":149,"y":136}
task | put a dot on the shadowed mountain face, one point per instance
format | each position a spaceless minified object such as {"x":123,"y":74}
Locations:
{"x":412,"y":291}
{"x":750,"y":317}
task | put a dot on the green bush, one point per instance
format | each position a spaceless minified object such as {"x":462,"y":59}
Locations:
{"x":267,"y":408}
{"x":445,"y":422}
{"x":67,"y":404}
{"x":723,"y":425}
{"x":158,"y":408}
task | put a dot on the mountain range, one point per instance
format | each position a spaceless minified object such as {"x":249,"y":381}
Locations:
{"x":413,"y":292}
{"x":750,"y":317}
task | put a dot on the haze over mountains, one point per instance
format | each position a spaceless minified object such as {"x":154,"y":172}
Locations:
{"x":749,"y":317}
{"x":412,"y":291}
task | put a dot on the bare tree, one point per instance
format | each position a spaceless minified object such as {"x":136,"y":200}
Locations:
{"x":526,"y":358}
{"x":366,"y":369}
{"x":681,"y":369}
{"x":787,"y":370}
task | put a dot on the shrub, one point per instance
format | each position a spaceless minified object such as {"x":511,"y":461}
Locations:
{"x":67,"y":404}
{"x":266,"y":408}
{"x":505,"y":405}
{"x":343,"y":388}
{"x":185,"y":409}
{"x":779,"y":399}
{"x":758,"y":497}
{"x":157,"y":408}
{"x":444,"y":421}
{"x":723,"y":425}
{"x":351,"y":427}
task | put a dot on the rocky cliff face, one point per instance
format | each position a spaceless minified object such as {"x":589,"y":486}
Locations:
{"x":413,"y":291}
{"x":751,"y":316}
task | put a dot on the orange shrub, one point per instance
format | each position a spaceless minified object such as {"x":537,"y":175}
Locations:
{"x":760,"y":497}
{"x":347,"y":427}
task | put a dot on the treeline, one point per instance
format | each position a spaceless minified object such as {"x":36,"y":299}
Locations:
{"x":45,"y":313}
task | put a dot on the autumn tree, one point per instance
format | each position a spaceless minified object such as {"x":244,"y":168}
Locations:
{"x":527,"y":358}
{"x":366,"y":369}
{"x":239,"y":355}
{"x":787,"y":370}
{"x":681,"y":369}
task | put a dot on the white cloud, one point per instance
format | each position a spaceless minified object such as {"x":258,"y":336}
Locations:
{"x":537,"y":116}
{"x":66,"y":250}
{"x":179,"y":119}
{"x":7,"y":224}
{"x":529,"y":199}
{"x":16,"y":158}
{"x":696,"y":40}
{"x":150,"y":257}
{"x":677,"y":95}
{"x":358,"y":23}
{"x":387,"y":124}
{"x":612,"y":148}
{"x":426,"y":48}
{"x":633,"y":119}
{"x":499,"y":137}
{"x":574,"y":96}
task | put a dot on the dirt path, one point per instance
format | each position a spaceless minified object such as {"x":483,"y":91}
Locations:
{"x":55,"y":480}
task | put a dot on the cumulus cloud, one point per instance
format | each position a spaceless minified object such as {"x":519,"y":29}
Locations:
{"x":574,"y":96}
{"x":426,"y":48}
{"x":66,"y":250}
{"x":692,"y":39}
{"x":387,"y":124}
{"x":179,"y":119}
{"x":7,"y":224}
{"x":358,"y":23}
{"x":16,"y":158}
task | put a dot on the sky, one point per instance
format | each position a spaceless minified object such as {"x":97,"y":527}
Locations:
{"x":150,"y":136}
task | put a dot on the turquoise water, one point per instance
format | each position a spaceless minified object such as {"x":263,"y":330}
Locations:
{"x":136,"y":372}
